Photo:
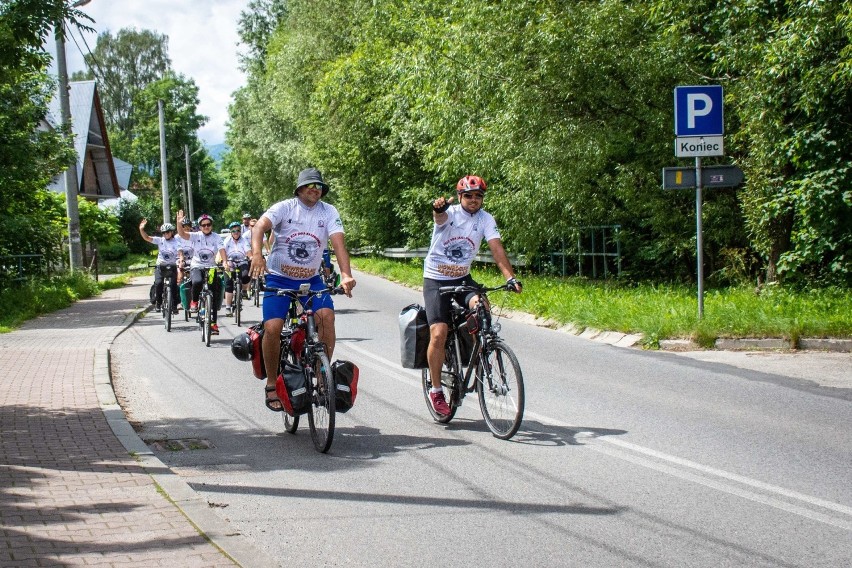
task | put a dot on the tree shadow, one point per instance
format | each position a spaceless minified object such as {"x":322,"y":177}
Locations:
{"x":535,"y":433}
{"x":61,"y":469}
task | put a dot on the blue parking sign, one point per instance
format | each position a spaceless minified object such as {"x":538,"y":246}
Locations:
{"x":698,"y":111}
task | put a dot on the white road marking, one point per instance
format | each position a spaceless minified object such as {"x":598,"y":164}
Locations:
{"x":704,"y":475}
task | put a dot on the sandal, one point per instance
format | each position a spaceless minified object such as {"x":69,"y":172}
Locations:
{"x":270,"y":401}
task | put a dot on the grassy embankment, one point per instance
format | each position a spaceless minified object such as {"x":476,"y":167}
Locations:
{"x":36,"y":297}
{"x":664,"y":311}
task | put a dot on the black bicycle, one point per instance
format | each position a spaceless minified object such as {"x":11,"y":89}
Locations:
{"x":237,"y":283}
{"x":492,"y":371}
{"x":168,"y":305}
{"x":301,"y":346}
{"x":206,"y":303}
{"x":186,"y":282}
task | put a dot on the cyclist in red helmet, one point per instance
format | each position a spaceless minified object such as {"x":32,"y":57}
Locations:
{"x":456,"y":237}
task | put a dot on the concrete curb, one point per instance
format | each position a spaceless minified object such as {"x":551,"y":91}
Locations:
{"x":194,"y":507}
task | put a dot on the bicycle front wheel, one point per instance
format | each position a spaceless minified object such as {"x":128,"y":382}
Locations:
{"x":321,"y":416}
{"x":167,"y":305}
{"x":238,"y":302}
{"x":255,"y":292}
{"x":500,"y":386}
{"x":208,"y":318}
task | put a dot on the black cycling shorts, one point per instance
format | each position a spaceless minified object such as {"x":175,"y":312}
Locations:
{"x":438,"y":306}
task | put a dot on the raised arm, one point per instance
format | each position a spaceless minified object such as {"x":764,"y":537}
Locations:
{"x":142,"y":231}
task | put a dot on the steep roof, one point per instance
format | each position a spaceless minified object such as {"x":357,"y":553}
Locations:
{"x":96,"y":175}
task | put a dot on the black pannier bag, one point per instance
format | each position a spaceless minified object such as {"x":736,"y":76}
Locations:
{"x":345,"y":375}
{"x":292,"y":390}
{"x":413,"y":337}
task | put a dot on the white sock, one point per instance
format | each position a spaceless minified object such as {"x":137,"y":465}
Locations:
{"x":436,"y":389}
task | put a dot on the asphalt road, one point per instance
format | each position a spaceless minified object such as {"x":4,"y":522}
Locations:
{"x":625,"y":457}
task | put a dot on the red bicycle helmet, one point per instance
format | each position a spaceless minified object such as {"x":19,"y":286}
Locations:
{"x":471,"y":183}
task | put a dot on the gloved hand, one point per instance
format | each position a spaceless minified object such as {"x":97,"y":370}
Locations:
{"x":514,"y":285}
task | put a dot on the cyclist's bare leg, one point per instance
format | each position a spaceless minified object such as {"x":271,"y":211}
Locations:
{"x":325,"y":328}
{"x":272,"y":351}
{"x":435,"y":353}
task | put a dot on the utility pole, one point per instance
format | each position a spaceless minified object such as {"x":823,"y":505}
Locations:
{"x":164,"y":177}
{"x":75,"y":247}
{"x":188,"y":183}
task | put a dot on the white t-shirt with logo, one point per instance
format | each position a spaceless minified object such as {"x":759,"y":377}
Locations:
{"x":301,"y":234}
{"x":456,"y":242}
{"x":204,"y":248}
{"x":185,"y":246}
{"x":168,"y":250}
{"x":237,"y":250}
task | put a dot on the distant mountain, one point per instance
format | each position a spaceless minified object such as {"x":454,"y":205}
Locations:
{"x":216,"y":152}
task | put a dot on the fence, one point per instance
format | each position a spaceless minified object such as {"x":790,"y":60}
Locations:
{"x":18,"y":267}
{"x":591,"y":250}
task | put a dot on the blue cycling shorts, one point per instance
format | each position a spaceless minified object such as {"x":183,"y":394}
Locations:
{"x":276,"y":307}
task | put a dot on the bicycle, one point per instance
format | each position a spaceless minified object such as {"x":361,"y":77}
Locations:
{"x":237,"y":283}
{"x":185,"y":281}
{"x":301,"y":346}
{"x":206,"y":303}
{"x":493,"y":370}
{"x":255,"y":288}
{"x":168,"y":303}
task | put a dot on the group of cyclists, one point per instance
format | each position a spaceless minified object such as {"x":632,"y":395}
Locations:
{"x":300,"y":229}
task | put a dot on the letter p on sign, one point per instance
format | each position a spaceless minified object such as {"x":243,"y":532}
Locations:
{"x":698,"y":111}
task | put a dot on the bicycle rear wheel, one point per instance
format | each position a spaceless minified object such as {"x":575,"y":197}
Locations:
{"x":449,"y":372}
{"x":167,"y":304}
{"x":500,"y":386}
{"x":321,"y":416}
{"x":291,"y":423}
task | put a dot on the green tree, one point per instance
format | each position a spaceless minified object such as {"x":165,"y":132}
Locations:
{"x":124,"y":64}
{"x":31,"y":153}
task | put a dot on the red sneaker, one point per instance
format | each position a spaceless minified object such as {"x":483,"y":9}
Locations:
{"x":214,"y":329}
{"x":193,"y":306}
{"x":439,"y":403}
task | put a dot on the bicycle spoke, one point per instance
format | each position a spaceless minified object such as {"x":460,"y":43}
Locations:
{"x":500,"y":386}
{"x":321,"y":417}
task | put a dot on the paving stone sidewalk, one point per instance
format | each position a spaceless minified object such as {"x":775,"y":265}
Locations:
{"x":70,"y":493}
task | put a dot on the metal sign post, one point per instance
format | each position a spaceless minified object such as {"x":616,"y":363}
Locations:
{"x":699,"y":232}
{"x":699,"y":126}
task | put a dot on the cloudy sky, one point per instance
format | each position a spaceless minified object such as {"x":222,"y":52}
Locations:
{"x":202,"y":46}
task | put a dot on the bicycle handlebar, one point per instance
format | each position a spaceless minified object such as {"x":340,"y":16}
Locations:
{"x":467,"y":288}
{"x":299,"y":293}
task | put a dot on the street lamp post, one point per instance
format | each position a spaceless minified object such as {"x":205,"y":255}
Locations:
{"x":75,"y":246}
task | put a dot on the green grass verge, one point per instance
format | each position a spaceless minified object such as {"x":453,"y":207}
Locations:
{"x":41,"y":296}
{"x":658,"y":311}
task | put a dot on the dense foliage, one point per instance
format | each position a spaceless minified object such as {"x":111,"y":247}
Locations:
{"x":30,"y":155}
{"x":565,"y":107}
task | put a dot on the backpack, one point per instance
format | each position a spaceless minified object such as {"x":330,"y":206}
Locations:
{"x":292,"y":390}
{"x":345,"y":375}
{"x":414,"y":337}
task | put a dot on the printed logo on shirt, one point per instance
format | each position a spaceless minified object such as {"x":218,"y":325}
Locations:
{"x":302,"y":248}
{"x":459,"y":250}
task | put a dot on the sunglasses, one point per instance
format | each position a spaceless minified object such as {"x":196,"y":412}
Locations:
{"x":472,"y":196}
{"x":236,"y":230}
{"x":206,"y":225}
{"x":313,"y":186}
